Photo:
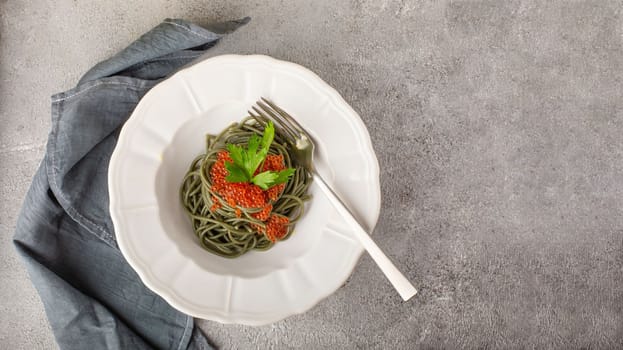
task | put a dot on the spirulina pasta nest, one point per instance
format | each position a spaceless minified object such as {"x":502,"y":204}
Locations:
{"x":224,"y":226}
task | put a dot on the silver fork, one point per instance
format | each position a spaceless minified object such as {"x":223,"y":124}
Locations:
{"x":303,"y":150}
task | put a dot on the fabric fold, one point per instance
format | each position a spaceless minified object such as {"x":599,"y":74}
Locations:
{"x":64,"y":234}
{"x":171,"y":40}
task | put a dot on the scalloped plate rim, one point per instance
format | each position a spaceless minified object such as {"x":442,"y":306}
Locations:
{"x":240,"y":317}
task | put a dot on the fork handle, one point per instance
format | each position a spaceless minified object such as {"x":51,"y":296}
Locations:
{"x":397,"y":279}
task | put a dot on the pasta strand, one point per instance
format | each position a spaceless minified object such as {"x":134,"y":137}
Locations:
{"x":221,"y":231}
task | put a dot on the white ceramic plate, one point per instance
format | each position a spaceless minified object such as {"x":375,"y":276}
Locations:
{"x":167,"y":130}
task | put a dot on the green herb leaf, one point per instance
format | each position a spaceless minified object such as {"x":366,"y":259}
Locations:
{"x":269,"y":179}
{"x":267,"y":138}
{"x":254,"y":143}
{"x":236,"y":153}
{"x":258,"y":149}
{"x":265,"y":180}
{"x":283,"y":176}
{"x":247,"y":161}
{"x":236,"y":173}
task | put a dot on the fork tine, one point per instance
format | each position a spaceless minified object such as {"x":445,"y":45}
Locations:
{"x":286,"y":130}
{"x":285,"y":115}
{"x":260,"y":118}
{"x":275,"y":115}
{"x":268,"y":113}
{"x":264,"y":121}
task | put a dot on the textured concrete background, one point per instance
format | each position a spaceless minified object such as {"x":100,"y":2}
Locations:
{"x":497,"y":125}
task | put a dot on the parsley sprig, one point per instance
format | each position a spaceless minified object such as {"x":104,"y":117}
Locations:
{"x":246,"y":161}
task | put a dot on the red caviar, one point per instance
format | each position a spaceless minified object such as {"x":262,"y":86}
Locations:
{"x":248,"y":195}
{"x":276,"y":227}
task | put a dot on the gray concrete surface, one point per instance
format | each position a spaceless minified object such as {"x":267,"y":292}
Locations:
{"x":497,"y":125}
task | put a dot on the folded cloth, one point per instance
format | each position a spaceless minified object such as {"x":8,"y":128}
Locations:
{"x":64,"y":234}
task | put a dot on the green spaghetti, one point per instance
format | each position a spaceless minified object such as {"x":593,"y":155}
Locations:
{"x":244,"y":199}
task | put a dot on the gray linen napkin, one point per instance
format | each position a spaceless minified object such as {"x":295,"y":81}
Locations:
{"x":64,"y":234}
